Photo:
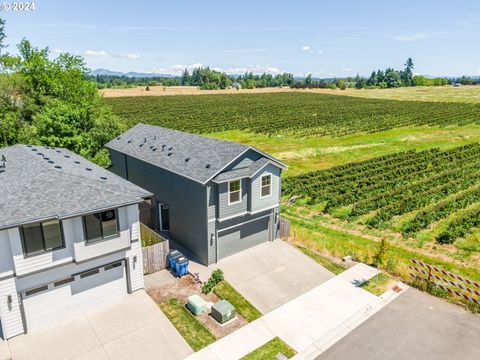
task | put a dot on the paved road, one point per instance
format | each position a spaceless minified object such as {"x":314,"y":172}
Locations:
{"x":414,"y":326}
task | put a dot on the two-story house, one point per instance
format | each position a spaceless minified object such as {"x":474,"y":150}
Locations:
{"x":69,"y":236}
{"x":214,"y":197}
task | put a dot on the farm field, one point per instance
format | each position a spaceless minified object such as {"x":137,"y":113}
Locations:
{"x":366,"y":169}
{"x":466,"y":94}
{"x":298,"y":114}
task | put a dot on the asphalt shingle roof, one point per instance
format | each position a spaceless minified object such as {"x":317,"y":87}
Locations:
{"x":40,"y":182}
{"x":170,"y":149}
{"x":248,"y":171}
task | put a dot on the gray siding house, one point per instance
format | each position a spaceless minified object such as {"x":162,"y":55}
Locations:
{"x":213,"y":197}
{"x":69,"y":236}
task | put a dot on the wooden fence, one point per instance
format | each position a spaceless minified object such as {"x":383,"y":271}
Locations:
{"x":154,"y":249}
{"x":284,"y":228}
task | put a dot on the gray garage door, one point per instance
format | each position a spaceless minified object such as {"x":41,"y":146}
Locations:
{"x":243,"y":237}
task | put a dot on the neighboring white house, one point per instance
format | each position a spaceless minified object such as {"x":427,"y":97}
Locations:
{"x":69,"y":236}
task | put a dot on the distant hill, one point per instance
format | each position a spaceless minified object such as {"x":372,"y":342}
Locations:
{"x":130,"y":74}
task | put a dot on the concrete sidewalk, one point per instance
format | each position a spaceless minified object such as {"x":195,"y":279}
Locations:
{"x":310,"y":323}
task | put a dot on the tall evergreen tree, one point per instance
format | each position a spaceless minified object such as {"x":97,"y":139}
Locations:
{"x":407,"y":74}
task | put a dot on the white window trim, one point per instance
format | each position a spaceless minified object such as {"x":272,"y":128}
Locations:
{"x":261,"y":186}
{"x":240,"y":191}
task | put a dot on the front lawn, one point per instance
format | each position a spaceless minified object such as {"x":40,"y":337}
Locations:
{"x":377,"y":286}
{"x":196,"y":335}
{"x":270,"y":351}
{"x":225,"y":291}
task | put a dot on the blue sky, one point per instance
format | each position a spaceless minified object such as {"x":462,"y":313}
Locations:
{"x":325,"y":38}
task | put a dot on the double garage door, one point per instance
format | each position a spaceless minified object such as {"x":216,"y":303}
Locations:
{"x":72,"y":294}
{"x":243,"y":236}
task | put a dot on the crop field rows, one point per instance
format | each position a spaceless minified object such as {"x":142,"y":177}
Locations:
{"x":423,"y":189}
{"x":299,"y":114}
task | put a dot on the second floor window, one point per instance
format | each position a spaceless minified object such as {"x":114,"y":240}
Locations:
{"x":41,"y":237}
{"x":234,"y":192}
{"x":100,"y":226}
{"x":266,"y":185}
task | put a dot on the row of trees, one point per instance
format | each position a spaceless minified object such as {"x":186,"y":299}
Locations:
{"x":50,"y":102}
{"x":206,"y":78}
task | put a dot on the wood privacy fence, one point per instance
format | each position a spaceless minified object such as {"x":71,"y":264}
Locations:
{"x":284,"y":228}
{"x":154,"y":249}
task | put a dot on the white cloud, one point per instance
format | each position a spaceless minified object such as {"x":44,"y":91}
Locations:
{"x":105,"y":54}
{"x":420,"y":36}
{"x":346,"y":69}
{"x":308,"y":49}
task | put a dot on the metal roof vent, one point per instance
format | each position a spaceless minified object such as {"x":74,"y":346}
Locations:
{"x":187,"y":159}
{"x":29,"y":146}
{"x":77,"y":162}
{"x":88,"y":169}
{"x":34,"y":149}
{"x":39,"y":153}
{"x":67,"y":156}
{"x":118,"y":138}
{"x":58,"y":167}
{"x":46,"y":158}
{"x":163,"y":147}
{"x":170,"y":148}
{"x":144,"y":140}
{"x":154,"y":137}
{"x":140,"y":145}
{"x":208,"y":166}
{"x":51,"y":162}
{"x":58,"y":151}
{"x":169,"y":154}
{"x":129,"y":141}
{"x":103,"y":178}
{"x":154,"y":149}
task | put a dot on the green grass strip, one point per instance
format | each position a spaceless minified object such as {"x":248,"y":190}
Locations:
{"x":322,"y":260}
{"x":226,"y":292}
{"x":270,"y":350}
{"x":196,"y":335}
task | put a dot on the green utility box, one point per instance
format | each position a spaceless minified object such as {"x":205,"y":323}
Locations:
{"x":223,"y":311}
{"x":196,"y":305}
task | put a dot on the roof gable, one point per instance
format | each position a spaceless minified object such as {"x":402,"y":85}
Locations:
{"x":41,"y":182}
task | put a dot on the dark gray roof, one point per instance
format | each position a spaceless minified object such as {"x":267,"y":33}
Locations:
{"x":248,"y":171}
{"x":40,"y":182}
{"x":193,"y":156}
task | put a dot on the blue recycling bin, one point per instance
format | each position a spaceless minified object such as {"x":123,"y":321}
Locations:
{"x":181,"y":264}
{"x":172,"y":256}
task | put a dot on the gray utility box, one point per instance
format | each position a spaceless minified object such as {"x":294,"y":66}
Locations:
{"x":196,"y":305}
{"x":223,"y":311}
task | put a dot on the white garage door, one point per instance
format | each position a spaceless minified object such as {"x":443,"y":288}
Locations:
{"x":46,"y":303}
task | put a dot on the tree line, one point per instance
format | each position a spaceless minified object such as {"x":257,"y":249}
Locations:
{"x":209,"y":79}
{"x":45,"y":101}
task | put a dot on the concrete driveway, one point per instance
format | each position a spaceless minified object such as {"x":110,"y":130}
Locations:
{"x":413,"y":326}
{"x":271,"y":274}
{"x":131,"y":327}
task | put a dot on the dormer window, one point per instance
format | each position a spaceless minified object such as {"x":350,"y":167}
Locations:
{"x":234,"y":192}
{"x":266,"y":186}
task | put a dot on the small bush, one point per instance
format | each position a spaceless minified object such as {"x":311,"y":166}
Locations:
{"x":446,"y":237}
{"x":215,"y":278}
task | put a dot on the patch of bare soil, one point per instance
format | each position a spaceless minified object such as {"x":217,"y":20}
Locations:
{"x":186,"y":286}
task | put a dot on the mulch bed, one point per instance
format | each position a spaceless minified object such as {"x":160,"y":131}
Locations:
{"x":186,"y":286}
